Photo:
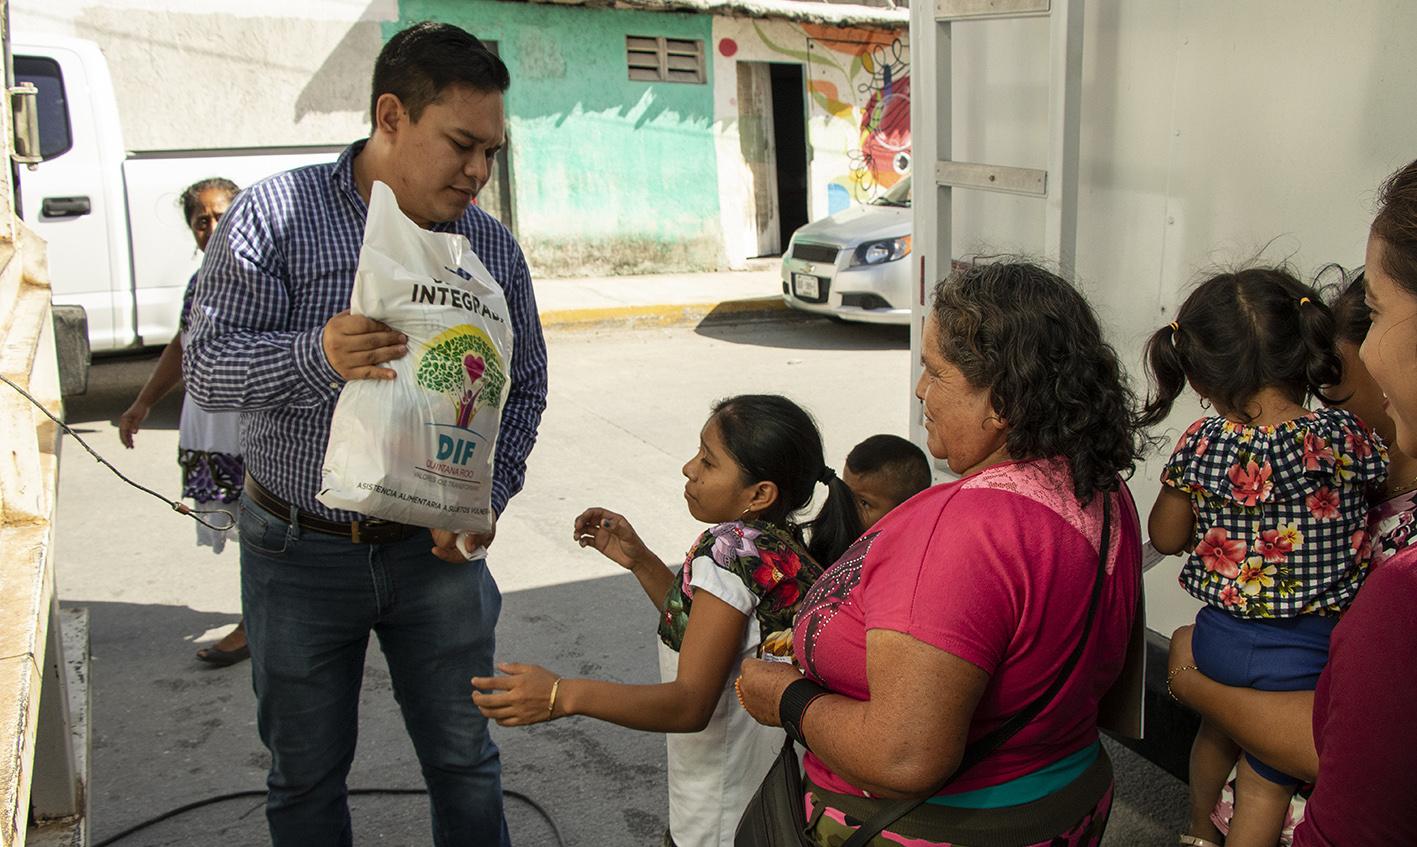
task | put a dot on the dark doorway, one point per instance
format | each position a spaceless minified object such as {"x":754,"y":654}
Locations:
{"x":789,"y":120}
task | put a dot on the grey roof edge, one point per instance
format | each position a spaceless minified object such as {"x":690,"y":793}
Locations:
{"x":809,"y":11}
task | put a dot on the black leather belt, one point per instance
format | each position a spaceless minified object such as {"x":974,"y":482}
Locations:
{"x":368,"y":531}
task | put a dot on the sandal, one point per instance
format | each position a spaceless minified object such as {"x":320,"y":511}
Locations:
{"x":214,"y":655}
{"x":222,"y":658}
{"x":1195,"y":841}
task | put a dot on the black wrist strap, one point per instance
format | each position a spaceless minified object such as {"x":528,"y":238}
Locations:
{"x":987,"y":744}
{"x":793,"y":705}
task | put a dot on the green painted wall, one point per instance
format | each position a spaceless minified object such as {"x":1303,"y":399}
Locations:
{"x":608,"y":175}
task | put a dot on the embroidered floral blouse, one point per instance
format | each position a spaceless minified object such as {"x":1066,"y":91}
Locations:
{"x":769,"y":563}
{"x":1280,"y":512}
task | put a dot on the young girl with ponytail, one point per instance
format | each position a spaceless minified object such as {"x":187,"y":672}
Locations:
{"x":757,"y":466}
{"x":1270,"y":500}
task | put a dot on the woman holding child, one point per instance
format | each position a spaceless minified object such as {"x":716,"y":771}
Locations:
{"x":1271,"y":497}
{"x":1353,"y":735}
{"x":962,"y":607}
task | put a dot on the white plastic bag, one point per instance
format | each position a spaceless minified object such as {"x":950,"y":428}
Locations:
{"x":418,"y":449}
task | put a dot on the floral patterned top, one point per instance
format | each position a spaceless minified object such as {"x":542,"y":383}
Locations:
{"x":1280,"y":512}
{"x":764,"y":557}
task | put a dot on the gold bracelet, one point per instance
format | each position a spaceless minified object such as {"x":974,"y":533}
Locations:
{"x":1173,"y":674}
{"x":551,"y":709}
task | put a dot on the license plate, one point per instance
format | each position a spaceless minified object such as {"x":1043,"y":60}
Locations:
{"x":805,"y":286}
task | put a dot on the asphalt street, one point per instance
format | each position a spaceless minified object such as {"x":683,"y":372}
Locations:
{"x":625,"y":409}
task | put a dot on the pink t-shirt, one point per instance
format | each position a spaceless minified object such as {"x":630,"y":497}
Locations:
{"x":996,"y":569}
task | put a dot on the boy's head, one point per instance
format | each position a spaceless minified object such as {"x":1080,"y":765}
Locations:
{"x":882,"y":472}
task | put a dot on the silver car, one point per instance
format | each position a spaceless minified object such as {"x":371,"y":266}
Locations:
{"x":850,"y":265}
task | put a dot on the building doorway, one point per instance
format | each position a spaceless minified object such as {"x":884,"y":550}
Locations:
{"x":789,"y":111}
{"x":772,"y":137}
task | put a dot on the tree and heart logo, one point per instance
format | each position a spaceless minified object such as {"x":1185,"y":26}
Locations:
{"x":463,"y":364}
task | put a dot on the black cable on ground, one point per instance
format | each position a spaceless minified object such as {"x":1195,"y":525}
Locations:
{"x":353,"y":792}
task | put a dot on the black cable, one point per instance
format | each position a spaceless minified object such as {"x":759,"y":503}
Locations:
{"x":182,"y":508}
{"x":353,"y":792}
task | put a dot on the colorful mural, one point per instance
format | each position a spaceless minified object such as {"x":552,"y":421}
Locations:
{"x":860,"y":80}
{"x":876,"y":70}
{"x":885,"y":119}
{"x":857,"y":110}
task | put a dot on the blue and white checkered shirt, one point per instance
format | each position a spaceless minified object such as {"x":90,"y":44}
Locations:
{"x":280,"y":265}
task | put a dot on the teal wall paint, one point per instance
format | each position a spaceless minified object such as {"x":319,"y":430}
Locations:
{"x":608,"y":175}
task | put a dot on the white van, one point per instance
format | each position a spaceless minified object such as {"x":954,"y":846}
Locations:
{"x":119,"y":248}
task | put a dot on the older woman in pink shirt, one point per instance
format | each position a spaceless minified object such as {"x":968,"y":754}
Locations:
{"x":964,"y":604}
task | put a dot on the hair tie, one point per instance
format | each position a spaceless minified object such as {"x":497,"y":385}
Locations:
{"x":826,"y":476}
{"x":1175,"y":327}
{"x":1303,"y":300}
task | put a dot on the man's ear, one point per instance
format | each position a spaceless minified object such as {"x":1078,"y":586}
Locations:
{"x":389,"y":114}
{"x":765,"y":494}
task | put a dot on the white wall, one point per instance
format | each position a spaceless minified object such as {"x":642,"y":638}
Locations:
{"x":1210,"y":130}
{"x":256,"y":73}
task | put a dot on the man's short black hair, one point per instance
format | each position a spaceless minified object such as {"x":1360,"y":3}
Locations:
{"x":901,"y":465}
{"x":420,"y":62}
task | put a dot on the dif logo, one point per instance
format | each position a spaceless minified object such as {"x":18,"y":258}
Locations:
{"x":457,"y":446}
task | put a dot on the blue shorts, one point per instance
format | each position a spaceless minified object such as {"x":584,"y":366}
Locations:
{"x":1281,"y":654}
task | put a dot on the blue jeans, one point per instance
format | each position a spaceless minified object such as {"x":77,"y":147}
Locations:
{"x":310,"y":601}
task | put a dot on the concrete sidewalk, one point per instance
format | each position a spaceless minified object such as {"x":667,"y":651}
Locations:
{"x":661,"y":299}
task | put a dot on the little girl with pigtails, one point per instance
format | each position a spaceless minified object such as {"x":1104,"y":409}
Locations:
{"x":1269,"y":497}
{"x":755,"y":471}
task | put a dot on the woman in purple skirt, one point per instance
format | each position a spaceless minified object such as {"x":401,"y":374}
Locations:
{"x":208,"y":443}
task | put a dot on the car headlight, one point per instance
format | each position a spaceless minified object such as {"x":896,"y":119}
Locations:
{"x":879,"y":252}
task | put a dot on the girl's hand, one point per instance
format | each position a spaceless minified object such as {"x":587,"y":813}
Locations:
{"x":613,"y":536}
{"x":130,"y":421}
{"x":760,"y":688}
{"x":520,"y":698}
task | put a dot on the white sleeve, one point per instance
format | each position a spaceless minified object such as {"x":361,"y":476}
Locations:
{"x":707,"y":576}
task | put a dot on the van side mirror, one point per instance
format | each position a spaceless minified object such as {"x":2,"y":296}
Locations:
{"x":24,"y":108}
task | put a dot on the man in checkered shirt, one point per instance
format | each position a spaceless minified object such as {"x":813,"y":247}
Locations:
{"x":272,"y":336}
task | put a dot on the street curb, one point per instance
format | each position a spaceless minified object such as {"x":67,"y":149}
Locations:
{"x":671,"y":314}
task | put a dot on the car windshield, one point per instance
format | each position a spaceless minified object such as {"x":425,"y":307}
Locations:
{"x":899,"y":194}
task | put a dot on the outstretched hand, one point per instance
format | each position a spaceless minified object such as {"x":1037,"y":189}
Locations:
{"x":613,"y":536}
{"x":521,"y":697}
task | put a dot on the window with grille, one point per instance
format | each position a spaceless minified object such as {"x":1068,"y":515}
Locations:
{"x":664,"y":59}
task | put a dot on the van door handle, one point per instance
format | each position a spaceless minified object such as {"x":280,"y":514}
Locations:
{"x":65,"y":207}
